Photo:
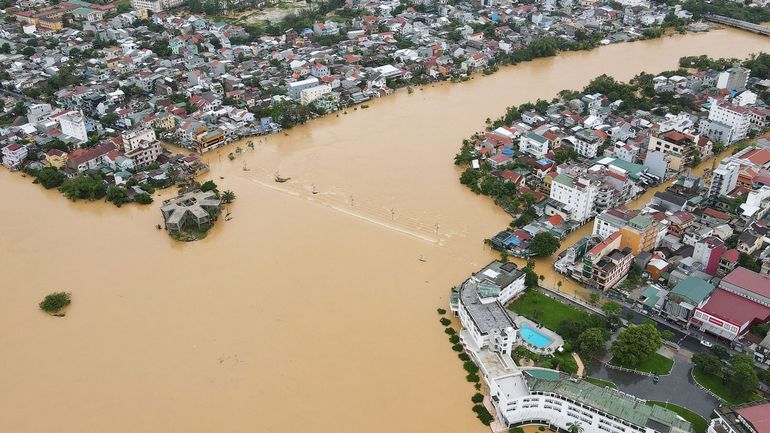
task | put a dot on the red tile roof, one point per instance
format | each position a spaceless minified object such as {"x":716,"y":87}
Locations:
{"x":749,"y":280}
{"x":758,"y":416}
{"x":735,"y":309}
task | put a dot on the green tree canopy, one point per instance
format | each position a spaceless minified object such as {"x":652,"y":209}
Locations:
{"x":544,"y":244}
{"x":636,"y":344}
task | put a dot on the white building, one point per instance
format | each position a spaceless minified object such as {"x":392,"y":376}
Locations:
{"x":724,"y":179}
{"x":479,"y":304}
{"x":577,"y":194}
{"x":306,"y":96}
{"x":38,"y":113}
{"x":726,"y":122}
{"x":141,"y":146}
{"x":155,"y":5}
{"x":73,"y":125}
{"x":534,"y":144}
{"x":294,"y":89}
{"x":13,"y":155}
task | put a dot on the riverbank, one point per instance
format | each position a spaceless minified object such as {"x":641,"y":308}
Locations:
{"x":215,"y":335}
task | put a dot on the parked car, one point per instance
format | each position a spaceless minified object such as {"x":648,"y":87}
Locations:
{"x":707,"y":343}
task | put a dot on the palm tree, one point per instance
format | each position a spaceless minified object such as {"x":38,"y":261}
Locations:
{"x":575,"y":427}
{"x":228,"y":196}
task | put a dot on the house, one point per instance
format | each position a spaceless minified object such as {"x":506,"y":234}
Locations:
{"x":55,"y":158}
{"x":90,"y":158}
{"x":13,"y":155}
{"x":687,"y":295}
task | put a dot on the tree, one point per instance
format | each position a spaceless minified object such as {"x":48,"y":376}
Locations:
{"x":54,"y":302}
{"x":83,"y":187}
{"x":743,"y":378}
{"x":228,"y":196}
{"x":612,"y":308}
{"x":108,"y":119}
{"x":667,"y":335}
{"x":636,"y":344}
{"x":575,"y":427}
{"x":209,"y":185}
{"x":116,"y":195}
{"x":50,"y":177}
{"x":592,"y":342}
{"x":593,"y":299}
{"x":544,"y":244}
{"x":143,"y":198}
{"x":707,"y":363}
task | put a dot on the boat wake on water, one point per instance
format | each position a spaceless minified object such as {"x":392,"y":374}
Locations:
{"x":352,"y":206}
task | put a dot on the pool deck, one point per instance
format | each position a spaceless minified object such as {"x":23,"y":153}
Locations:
{"x":556,"y":340}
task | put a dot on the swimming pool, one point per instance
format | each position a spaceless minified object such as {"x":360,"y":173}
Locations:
{"x":534,"y":338}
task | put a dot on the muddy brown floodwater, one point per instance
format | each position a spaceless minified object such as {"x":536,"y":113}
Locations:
{"x":305,"y":312}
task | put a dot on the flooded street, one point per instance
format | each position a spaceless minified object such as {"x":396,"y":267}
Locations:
{"x":305,"y":311}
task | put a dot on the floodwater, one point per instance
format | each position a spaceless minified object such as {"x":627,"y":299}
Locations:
{"x":305,"y":311}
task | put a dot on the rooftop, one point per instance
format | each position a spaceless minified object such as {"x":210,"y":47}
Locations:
{"x":611,"y":401}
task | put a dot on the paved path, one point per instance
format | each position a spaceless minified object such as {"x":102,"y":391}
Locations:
{"x":677,"y":387}
{"x":579,"y":362}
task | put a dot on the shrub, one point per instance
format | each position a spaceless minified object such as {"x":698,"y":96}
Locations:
{"x":483,"y":414}
{"x":446,"y":322}
{"x":470,"y":367}
{"x":477,"y":398}
{"x":457,"y":347}
{"x":54,"y":302}
{"x":441,"y":311}
{"x":449,"y":330}
{"x":516,"y":430}
{"x":541,"y":428}
{"x":454,"y":339}
{"x":463,"y":356}
{"x":143,"y":198}
{"x":472,"y":377}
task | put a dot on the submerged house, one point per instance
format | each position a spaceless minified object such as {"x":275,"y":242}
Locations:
{"x":195,"y":207}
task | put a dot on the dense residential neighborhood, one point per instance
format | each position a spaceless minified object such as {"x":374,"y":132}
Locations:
{"x":688,"y":252}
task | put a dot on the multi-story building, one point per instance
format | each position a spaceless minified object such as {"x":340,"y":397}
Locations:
{"x":598,"y":251}
{"x":479,"y":304}
{"x":209,"y":140}
{"x":723,"y":179}
{"x":155,"y":5}
{"x":685,"y":297}
{"x":13,"y":155}
{"x":708,"y":251}
{"x":541,"y":396}
{"x":610,"y":221}
{"x":293,"y":89}
{"x":534,"y":144}
{"x":73,"y":125}
{"x":726,"y":122}
{"x":639,"y":234}
{"x":141,"y":146}
{"x":610,"y":269}
{"x":679,"y":147}
{"x":306,"y":96}
{"x":577,"y":193}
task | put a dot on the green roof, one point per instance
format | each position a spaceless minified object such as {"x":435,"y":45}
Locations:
{"x":487,"y":289}
{"x":82,"y":11}
{"x":641,"y":221}
{"x":537,"y":137}
{"x":651,"y":295}
{"x":79,"y":3}
{"x":611,"y":401}
{"x":564,"y":180}
{"x":694,"y":289}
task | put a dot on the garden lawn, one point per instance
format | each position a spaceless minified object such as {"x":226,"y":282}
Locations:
{"x":600,"y":382}
{"x":715,"y":385}
{"x":656,"y":364}
{"x":699,"y":424}
{"x":539,"y":308}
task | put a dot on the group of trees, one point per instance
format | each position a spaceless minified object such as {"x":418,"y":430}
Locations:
{"x":740,"y":374}
{"x":636,"y":344}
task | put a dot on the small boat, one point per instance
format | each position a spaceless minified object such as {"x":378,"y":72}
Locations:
{"x":280,"y":179}
{"x":314,"y":190}
{"x":422,"y":259}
